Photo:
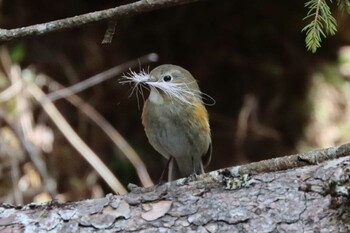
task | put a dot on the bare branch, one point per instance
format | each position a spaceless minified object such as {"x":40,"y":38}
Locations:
{"x":293,"y":161}
{"x":108,"y":37}
{"x":119,"y":12}
{"x":32,"y":153}
{"x":111,"y":132}
{"x":98,"y":78}
{"x":75,"y":140}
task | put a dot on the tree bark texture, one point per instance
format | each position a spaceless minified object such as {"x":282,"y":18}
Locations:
{"x":308,"y":199}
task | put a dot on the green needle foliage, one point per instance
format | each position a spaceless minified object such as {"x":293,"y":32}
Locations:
{"x":322,"y":23}
{"x":344,"y":5}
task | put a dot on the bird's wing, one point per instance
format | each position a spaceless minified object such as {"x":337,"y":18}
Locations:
{"x":206,"y":158}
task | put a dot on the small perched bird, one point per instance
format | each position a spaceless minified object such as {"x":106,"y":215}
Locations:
{"x":175,"y":119}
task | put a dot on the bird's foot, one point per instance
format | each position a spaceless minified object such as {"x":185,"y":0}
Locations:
{"x":190,"y":178}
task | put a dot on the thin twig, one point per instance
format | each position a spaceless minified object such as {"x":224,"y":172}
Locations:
{"x":112,"y":133}
{"x":33,"y":153}
{"x":115,"y":136}
{"x":10,"y":92}
{"x":108,"y":37}
{"x":15,"y":176}
{"x":14,"y":160}
{"x":116,"y":13}
{"x":101,"y":77}
{"x":25,"y":122}
{"x":75,"y":140}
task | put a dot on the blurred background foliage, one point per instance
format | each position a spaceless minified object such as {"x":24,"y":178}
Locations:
{"x":273,"y":97}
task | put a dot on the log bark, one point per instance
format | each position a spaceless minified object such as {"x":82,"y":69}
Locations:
{"x":307,"y":199}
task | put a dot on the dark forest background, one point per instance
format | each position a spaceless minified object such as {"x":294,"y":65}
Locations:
{"x":273,"y":97}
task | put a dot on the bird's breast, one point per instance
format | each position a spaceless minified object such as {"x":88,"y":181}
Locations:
{"x":177,"y":129}
{"x":155,"y":97}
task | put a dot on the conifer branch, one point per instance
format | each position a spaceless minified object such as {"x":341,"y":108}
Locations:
{"x":321,"y":25}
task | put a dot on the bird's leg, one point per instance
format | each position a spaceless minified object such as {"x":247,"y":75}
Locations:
{"x":165,"y":170}
{"x":194,"y":175}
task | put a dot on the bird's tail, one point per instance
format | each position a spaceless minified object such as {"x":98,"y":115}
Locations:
{"x":183,"y":167}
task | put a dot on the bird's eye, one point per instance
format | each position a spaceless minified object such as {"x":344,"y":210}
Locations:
{"x":167,"y":78}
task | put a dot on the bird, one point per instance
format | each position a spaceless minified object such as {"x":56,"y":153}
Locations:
{"x":175,"y":119}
